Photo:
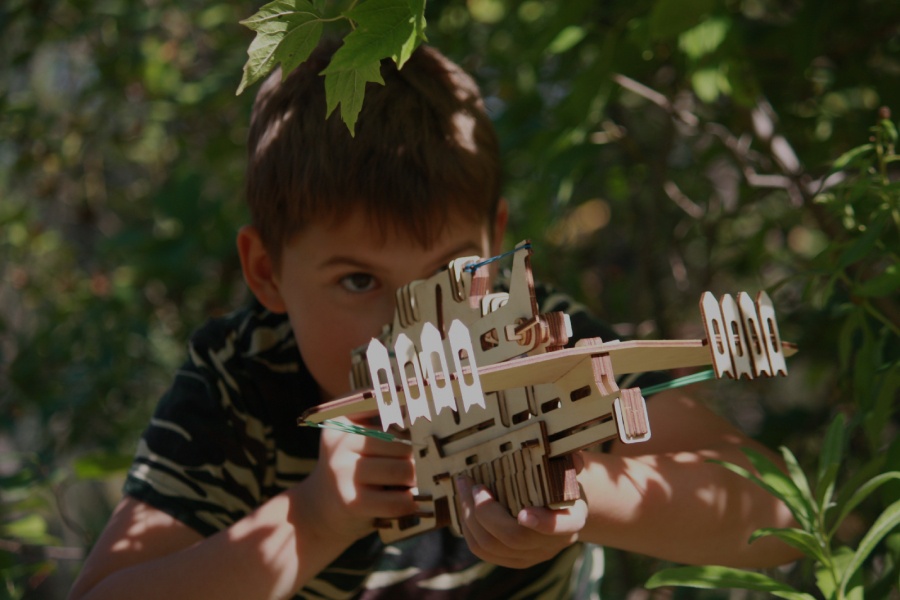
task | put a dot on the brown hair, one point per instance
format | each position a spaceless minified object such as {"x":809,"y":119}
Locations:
{"x":424,"y":149}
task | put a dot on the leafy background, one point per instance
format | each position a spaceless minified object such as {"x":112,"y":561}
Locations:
{"x":653,"y":149}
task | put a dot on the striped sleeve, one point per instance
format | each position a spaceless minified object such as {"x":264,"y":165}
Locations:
{"x":205,"y":456}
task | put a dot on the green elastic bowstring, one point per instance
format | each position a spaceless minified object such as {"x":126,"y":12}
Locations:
{"x":350,"y":428}
{"x":679,"y":382}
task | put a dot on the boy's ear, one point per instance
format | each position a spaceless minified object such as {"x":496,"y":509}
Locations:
{"x":501,"y":218}
{"x":259,"y":272}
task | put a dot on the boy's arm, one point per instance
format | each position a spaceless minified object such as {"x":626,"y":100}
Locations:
{"x":663,"y":498}
{"x":270,"y":553}
{"x":145,"y":553}
{"x":659,"y":498}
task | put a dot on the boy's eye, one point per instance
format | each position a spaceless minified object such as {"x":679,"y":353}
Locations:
{"x":358,"y":283}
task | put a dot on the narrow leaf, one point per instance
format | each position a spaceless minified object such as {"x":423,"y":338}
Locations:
{"x":883,"y":284}
{"x":862,"y":246}
{"x":852,"y":156}
{"x":825,"y":489}
{"x":800,"y":504}
{"x":713,"y":577}
{"x":833,"y":444}
{"x":802,"y":540}
{"x":882,"y":526}
{"x":832,"y":448}
{"x":798,"y":477}
{"x":861,"y":494}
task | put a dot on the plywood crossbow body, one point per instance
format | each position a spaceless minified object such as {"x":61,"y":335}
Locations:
{"x":483,"y":385}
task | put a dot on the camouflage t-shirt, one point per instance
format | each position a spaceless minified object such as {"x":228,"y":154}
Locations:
{"x":224,"y":440}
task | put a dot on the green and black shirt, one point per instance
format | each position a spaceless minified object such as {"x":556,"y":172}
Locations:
{"x":224,"y":440}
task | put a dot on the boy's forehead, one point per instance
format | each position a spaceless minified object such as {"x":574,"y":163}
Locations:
{"x":387,"y":229}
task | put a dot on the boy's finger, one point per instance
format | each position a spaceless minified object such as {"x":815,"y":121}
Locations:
{"x":554,"y":522}
{"x":386,"y":472}
{"x":490,"y":524}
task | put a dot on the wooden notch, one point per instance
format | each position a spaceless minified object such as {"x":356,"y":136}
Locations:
{"x":631,"y":416}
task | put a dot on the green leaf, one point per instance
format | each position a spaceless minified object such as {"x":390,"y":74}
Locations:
{"x":825,"y":488}
{"x":802,"y":540}
{"x":853,"y":156}
{"x":348,"y":88}
{"x":860,"y":494}
{"x":890,"y":130}
{"x":832,"y":446}
{"x":31,"y":529}
{"x":101,"y":465}
{"x":713,"y":577}
{"x":861,"y":247}
{"x":800,"y":502}
{"x":384,"y":28}
{"x":883,"y":284}
{"x":566,"y":39}
{"x":706,"y":84}
{"x":826,"y":572}
{"x":705,"y":38}
{"x":799,"y":478}
{"x":882,"y":526}
{"x":830,"y":462}
{"x":297,"y":45}
{"x":294,"y":23}
{"x":670,"y":17}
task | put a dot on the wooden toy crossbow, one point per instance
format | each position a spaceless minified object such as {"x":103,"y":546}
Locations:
{"x":483,"y":385}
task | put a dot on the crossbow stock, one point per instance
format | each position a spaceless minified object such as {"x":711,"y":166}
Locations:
{"x":484,"y":386}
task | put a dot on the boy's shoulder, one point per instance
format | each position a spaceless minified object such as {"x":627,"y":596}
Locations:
{"x":249,"y":332}
{"x":251,"y":356}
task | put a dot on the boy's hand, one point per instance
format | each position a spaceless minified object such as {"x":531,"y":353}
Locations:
{"x":358,"y":479}
{"x":537,"y":534}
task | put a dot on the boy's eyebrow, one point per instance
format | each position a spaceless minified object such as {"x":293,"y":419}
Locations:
{"x":343,"y":261}
{"x":465,"y":249}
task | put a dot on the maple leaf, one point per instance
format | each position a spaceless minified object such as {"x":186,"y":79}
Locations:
{"x":287,"y":31}
{"x":347,"y":87}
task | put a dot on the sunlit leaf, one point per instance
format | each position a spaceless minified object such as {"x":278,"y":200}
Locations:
{"x":802,"y":540}
{"x":798,"y":499}
{"x":724,"y":578}
{"x":294,"y":23}
{"x":825,"y":574}
{"x":799,"y":478}
{"x":384,"y":29}
{"x":101,"y":465}
{"x":886,"y":522}
{"x":566,"y":39}
{"x":704,"y":38}
{"x":31,"y":529}
{"x":853,"y":157}
{"x":670,"y":17}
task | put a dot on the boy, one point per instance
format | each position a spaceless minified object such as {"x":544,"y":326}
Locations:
{"x":227,"y":498}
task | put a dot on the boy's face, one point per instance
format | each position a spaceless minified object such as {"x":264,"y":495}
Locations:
{"x":338,"y":285}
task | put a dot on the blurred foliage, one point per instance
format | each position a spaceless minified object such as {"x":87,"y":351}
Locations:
{"x":653,"y":149}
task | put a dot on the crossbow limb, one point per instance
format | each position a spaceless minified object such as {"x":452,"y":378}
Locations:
{"x":484,"y":386}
